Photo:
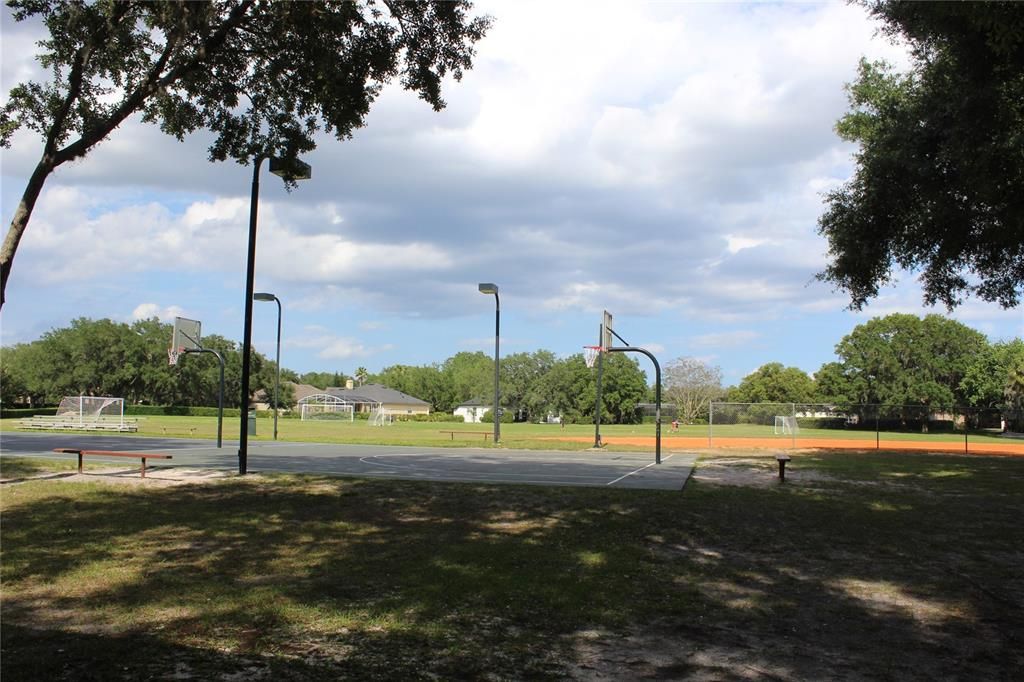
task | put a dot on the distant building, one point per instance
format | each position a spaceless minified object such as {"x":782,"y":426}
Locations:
{"x":472,"y":411}
{"x":370,"y":397}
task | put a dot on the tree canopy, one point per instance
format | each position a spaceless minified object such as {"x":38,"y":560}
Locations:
{"x":265,"y":77}
{"x":941,"y":159}
{"x":906,"y":360}
{"x":691,"y":384}
{"x":102,"y":357}
{"x":774,"y":383}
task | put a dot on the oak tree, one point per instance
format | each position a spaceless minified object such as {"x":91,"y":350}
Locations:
{"x":265,"y":77}
{"x":941,"y":158}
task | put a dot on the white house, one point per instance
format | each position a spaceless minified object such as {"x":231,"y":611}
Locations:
{"x":472,"y":411}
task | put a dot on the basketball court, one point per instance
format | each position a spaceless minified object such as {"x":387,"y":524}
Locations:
{"x":467,"y":465}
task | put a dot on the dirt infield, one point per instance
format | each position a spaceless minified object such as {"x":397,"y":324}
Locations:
{"x":690,"y":443}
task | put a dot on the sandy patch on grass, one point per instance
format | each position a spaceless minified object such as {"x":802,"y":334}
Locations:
{"x":759,"y":472}
{"x":156,"y":476}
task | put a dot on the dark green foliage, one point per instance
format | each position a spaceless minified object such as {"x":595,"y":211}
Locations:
{"x":507,"y":417}
{"x":101,"y":357}
{"x":264,"y":77}
{"x":433,"y":417}
{"x":906,"y":360}
{"x":774,"y":383}
{"x":941,"y":159}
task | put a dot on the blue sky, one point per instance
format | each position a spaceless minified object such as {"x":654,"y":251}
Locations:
{"x":664,"y":161}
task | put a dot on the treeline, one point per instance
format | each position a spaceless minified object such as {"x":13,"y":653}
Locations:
{"x":533,"y":385}
{"x":102,"y":357}
{"x":899,"y":359}
{"x":894,"y":360}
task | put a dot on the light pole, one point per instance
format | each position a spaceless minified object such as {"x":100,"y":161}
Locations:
{"x":293,"y":170}
{"x":488,"y":288}
{"x":277,"y":379}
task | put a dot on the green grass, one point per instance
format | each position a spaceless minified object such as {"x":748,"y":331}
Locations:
{"x":893,"y":566}
{"x":529,"y":436}
{"x":20,"y":467}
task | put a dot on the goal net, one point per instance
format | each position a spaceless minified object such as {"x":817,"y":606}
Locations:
{"x":90,"y":409}
{"x":786,"y":426}
{"x":380,"y":417}
{"x":326,"y":411}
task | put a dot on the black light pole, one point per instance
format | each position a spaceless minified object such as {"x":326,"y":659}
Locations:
{"x":488,"y":288}
{"x":296,"y":170}
{"x":277,"y":379}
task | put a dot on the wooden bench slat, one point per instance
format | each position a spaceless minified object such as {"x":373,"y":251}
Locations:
{"x":111,"y":453}
{"x":486,"y":434}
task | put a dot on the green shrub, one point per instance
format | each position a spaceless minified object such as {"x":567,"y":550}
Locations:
{"x":432,"y":417}
{"x":183,"y":411}
{"x":507,"y":417}
{"x":21,"y":412}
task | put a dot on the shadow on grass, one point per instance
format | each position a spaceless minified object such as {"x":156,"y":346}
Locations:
{"x":376,"y":579}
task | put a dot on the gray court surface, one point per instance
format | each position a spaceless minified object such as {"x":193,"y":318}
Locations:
{"x":481,"y":465}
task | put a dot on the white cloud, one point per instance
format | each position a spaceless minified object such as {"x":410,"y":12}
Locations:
{"x":145,"y":311}
{"x":729,"y":339}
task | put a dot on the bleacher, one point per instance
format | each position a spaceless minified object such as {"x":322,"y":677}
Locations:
{"x":72,"y":423}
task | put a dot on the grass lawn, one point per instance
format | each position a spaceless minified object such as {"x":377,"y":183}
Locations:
{"x":866,"y":566}
{"x":527,"y":436}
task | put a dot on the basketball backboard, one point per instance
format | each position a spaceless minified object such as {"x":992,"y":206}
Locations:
{"x":186,"y":334}
{"x":606,"y":330}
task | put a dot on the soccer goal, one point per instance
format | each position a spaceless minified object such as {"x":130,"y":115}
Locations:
{"x":381,"y":417}
{"x":91,"y":409}
{"x":786,"y":426}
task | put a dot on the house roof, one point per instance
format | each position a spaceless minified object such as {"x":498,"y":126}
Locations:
{"x":376,"y":393}
{"x":476,"y":402}
{"x":301,"y":391}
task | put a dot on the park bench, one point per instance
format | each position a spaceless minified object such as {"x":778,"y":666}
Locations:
{"x":782,"y":459}
{"x":486,"y":434}
{"x":72,"y":424}
{"x":109,"y":453}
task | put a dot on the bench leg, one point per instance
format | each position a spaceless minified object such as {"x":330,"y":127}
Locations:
{"x":782,"y":471}
{"x":143,"y":467}
{"x":79,"y":461}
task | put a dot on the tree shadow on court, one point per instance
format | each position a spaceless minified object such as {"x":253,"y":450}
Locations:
{"x":366,"y":579}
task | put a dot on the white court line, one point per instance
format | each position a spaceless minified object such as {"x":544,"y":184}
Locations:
{"x":636,"y":471}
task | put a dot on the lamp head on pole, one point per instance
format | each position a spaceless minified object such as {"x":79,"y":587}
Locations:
{"x":296,"y":169}
{"x":487,"y":288}
{"x":264,"y":297}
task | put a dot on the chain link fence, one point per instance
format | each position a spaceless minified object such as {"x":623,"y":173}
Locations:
{"x":789,"y":424}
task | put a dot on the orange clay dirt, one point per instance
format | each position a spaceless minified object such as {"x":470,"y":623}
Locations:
{"x":684,"y":442}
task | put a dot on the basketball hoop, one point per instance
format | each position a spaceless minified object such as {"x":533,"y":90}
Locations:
{"x":590,"y":354}
{"x":173,"y":354}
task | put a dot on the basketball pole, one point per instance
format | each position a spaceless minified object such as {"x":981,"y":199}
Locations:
{"x":220,"y":394}
{"x":657,"y":392}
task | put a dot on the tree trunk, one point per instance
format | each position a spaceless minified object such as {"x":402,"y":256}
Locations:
{"x":20,"y":221}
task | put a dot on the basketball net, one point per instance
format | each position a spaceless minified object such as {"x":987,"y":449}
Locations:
{"x":590,"y":354}
{"x":173,"y":354}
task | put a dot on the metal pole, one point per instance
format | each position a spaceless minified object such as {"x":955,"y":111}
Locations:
{"x":711,"y":422}
{"x":878,"y":445}
{"x":250,"y":275}
{"x":965,"y":431}
{"x":597,"y":404}
{"x":220,"y":392}
{"x":220,"y":401}
{"x":657,"y":394}
{"x":277,"y":379}
{"x":497,"y":390}
{"x":792,"y":431}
